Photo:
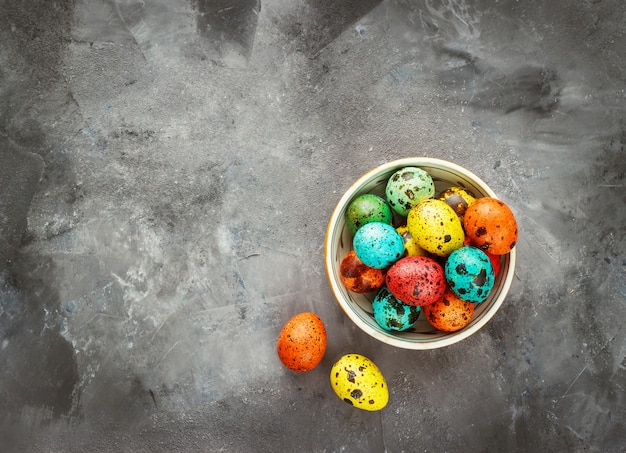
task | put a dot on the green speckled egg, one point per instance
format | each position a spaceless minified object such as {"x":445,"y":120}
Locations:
{"x":365,"y":209}
{"x":407,"y":187}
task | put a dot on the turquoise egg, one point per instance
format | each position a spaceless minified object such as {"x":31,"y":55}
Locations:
{"x":469,"y":274}
{"x":391,"y":313}
{"x":378,"y":245}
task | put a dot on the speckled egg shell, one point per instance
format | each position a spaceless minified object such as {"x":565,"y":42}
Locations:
{"x":378,"y":245}
{"x":495,"y":259}
{"x":435,"y":227}
{"x":365,"y":209}
{"x":450,"y":313}
{"x":359,"y":382}
{"x":495,"y":262}
{"x":358,"y":277}
{"x":301,"y":343}
{"x":391,"y":313}
{"x":416,"y":280}
{"x":410,"y":246}
{"x":491,"y":226}
{"x":469,"y":274}
{"x":458,"y":198}
{"x":407,"y":187}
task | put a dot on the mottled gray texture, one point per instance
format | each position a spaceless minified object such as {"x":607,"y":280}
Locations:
{"x":167,"y":172}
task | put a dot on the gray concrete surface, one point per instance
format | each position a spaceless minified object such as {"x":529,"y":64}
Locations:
{"x":167,"y":171}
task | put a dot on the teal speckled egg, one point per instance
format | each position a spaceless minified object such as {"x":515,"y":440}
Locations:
{"x":365,"y":209}
{"x":378,"y":245}
{"x":391,"y":313}
{"x":407,"y":187}
{"x":469,"y":274}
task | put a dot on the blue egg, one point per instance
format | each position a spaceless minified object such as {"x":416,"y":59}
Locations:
{"x":378,"y":245}
{"x":391,"y":313}
{"x":470,"y":274}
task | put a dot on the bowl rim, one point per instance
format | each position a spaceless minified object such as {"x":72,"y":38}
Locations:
{"x":439,"y":342}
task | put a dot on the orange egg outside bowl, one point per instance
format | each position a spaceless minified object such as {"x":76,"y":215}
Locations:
{"x":301,"y":344}
{"x":358,"y":307}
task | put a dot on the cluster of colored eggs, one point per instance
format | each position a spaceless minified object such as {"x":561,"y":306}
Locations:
{"x":414,"y":251}
{"x":354,"y":378}
{"x":420,"y":251}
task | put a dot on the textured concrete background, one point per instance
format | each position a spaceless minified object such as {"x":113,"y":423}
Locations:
{"x":167,"y":171}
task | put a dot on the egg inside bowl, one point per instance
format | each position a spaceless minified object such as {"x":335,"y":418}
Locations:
{"x":358,"y":307}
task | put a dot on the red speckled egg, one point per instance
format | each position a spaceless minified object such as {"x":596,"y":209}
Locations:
{"x":450,"y":313}
{"x":491,"y":226}
{"x":302,"y":342}
{"x":416,"y":280}
{"x":495,"y":262}
{"x":358,"y":277}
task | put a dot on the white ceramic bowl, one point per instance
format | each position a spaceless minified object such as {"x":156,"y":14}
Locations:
{"x":358,"y":307}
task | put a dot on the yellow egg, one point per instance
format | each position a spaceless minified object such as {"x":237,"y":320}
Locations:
{"x":435,"y":227}
{"x":358,"y":381}
{"x":410,"y":246}
{"x":458,"y":198}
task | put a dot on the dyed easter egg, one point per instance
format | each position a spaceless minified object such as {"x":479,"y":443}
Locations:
{"x":367,"y":208}
{"x":495,"y":259}
{"x":359,"y":382}
{"x":410,"y":246}
{"x":469,"y":274}
{"x":407,"y":187}
{"x":378,"y":245}
{"x":358,"y":277}
{"x":458,"y":198}
{"x":391,"y":313}
{"x":435,"y":227}
{"x":491,"y":226}
{"x":450,"y":313}
{"x":495,"y":262}
{"x":301,"y":343}
{"x":416,"y":280}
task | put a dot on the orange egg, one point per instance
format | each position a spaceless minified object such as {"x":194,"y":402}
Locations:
{"x":358,"y":277}
{"x":302,"y":342}
{"x":450,"y":313}
{"x":491,"y":226}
